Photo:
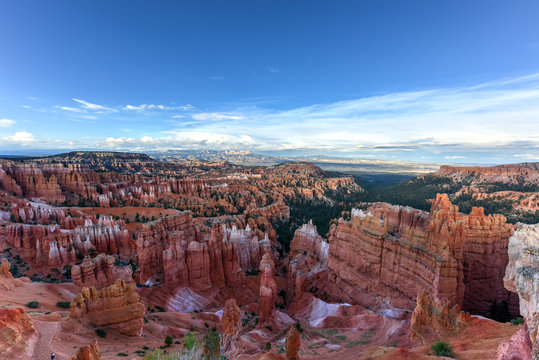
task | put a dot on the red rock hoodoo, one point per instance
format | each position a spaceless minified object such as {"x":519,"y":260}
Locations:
{"x":117,"y":307}
{"x":268,"y":289}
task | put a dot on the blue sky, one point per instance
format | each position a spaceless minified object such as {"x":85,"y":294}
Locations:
{"x":451,"y":81}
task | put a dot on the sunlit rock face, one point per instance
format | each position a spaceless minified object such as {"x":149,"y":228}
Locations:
{"x":18,"y":335}
{"x":397,"y":252}
{"x":268,"y":289}
{"x":117,"y":306}
{"x":88,"y":352}
{"x":54,"y":245}
{"x":522,"y":276}
{"x":99,"y":272}
{"x":433,"y":318}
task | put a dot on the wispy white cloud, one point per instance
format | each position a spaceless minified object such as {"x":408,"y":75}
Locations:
{"x":179,"y":140}
{"x":217,"y":77}
{"x":274,"y":70}
{"x":216,"y":116}
{"x":95,"y":107}
{"x":459,"y":123}
{"x":72,"y":109}
{"x":6,"y":122}
{"x":528,"y":157}
{"x":154,"y":107}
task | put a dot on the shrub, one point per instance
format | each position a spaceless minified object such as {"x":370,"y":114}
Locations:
{"x":268,"y":346}
{"x":168,"y":340}
{"x":33,"y":305}
{"x":122,"y":354}
{"x":298,"y":328}
{"x":212,"y":345}
{"x":63,"y":304}
{"x":101,"y":333}
{"x":190,"y":341}
{"x":441,"y":348}
{"x":517,"y":321}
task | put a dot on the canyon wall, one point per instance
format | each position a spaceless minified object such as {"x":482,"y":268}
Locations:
{"x":396,"y":252}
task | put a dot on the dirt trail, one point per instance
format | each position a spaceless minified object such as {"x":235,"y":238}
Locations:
{"x":43,"y":349}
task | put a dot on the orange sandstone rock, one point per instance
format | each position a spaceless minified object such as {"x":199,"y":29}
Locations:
{"x":117,"y":307}
{"x":99,"y":272}
{"x":17,"y":334}
{"x":397,"y":252}
{"x":432,"y":318}
{"x":88,"y":352}
{"x":268,"y":289}
{"x":293,"y":344}
{"x":231,"y":319}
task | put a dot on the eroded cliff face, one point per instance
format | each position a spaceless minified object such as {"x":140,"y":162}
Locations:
{"x":308,"y":257}
{"x":52,"y":245}
{"x":396,"y":252}
{"x":99,"y":272}
{"x":433,"y":318}
{"x":522,"y":277}
{"x":117,"y":307}
{"x":175,"y":247}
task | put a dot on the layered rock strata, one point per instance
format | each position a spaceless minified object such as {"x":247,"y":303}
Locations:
{"x":116,"y":307}
{"x":433,"y":318}
{"x":88,"y":352}
{"x":268,"y":289}
{"x":99,"y":272}
{"x":397,"y":252}
{"x":51,"y":245}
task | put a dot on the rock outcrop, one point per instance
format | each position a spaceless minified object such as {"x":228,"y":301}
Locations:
{"x":88,"y":352}
{"x":99,"y":272}
{"x":522,"y":276}
{"x":17,"y":334}
{"x":116,"y":307}
{"x":268,"y":289}
{"x":433,"y":318}
{"x":519,"y":347}
{"x":231,"y":319}
{"x":7,"y":281}
{"x":397,"y":252}
{"x":293,"y":344}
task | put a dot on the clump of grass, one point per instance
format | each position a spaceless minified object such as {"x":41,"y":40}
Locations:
{"x":441,"y":348}
{"x":518,"y":321}
{"x":122,"y":354}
